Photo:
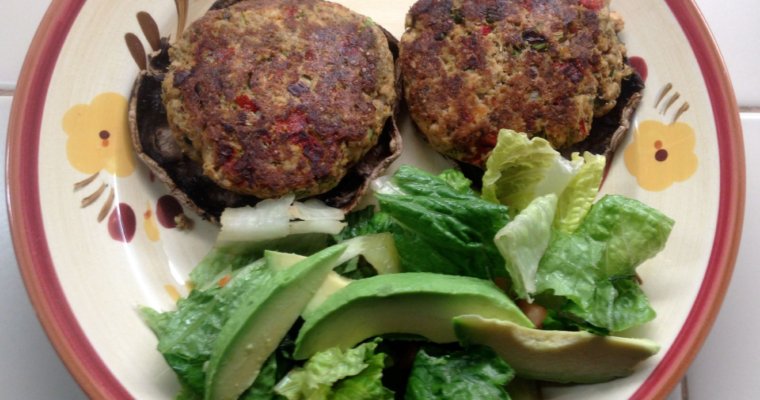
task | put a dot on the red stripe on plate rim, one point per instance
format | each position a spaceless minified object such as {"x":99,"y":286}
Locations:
{"x":93,"y":375}
{"x":702,"y":315}
{"x":29,"y":239}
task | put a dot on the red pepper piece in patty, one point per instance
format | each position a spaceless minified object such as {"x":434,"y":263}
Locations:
{"x":246,"y":103}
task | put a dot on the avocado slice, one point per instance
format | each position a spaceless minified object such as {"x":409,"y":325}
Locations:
{"x":256,"y":328}
{"x":378,"y":249}
{"x":333,"y":282}
{"x":556,"y":356}
{"x":279,"y":261}
{"x":417,"y":303}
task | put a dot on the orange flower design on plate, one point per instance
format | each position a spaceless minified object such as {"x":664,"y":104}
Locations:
{"x":661,"y":154}
{"x":98,"y":136}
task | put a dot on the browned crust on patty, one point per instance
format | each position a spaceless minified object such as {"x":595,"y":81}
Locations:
{"x":155,"y":145}
{"x":473,"y":67}
{"x":277,"y":97}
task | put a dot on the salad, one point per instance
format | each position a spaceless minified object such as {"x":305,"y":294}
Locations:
{"x":448,"y":288}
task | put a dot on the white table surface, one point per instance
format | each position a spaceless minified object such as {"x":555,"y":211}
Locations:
{"x":726,"y":366}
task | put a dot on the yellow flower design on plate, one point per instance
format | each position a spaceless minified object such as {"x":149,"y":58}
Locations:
{"x":151,"y":227}
{"x":99,"y":136}
{"x":661,"y":155}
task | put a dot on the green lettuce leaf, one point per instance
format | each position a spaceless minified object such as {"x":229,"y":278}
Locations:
{"x":186,"y":393}
{"x":521,"y":169}
{"x":477,"y":373}
{"x":440,"y":228}
{"x":220,"y":261}
{"x":363,"y":222}
{"x":633,"y":232}
{"x":457,"y":181}
{"x":523,"y":242}
{"x":334,"y":373}
{"x":365,"y":385}
{"x":579,"y":195}
{"x":516,"y":167}
{"x":595,"y":267}
{"x":415,"y":254}
{"x":561,"y":319}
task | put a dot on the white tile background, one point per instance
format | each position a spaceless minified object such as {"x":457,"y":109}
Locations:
{"x":734,"y":24}
{"x":726,"y":367}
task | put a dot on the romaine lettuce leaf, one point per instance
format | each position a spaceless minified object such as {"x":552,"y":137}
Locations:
{"x":365,"y":385}
{"x":521,"y":169}
{"x":515,"y":168}
{"x":476,"y":373}
{"x":364,"y":222}
{"x":440,"y":228}
{"x":221,"y":261}
{"x":595,"y":267}
{"x":415,"y":254}
{"x":457,"y":181}
{"x":182,"y":338}
{"x":352,"y":374}
{"x":633,"y":232}
{"x":578,"y":197}
{"x":562,"y":319}
{"x":523,"y":242}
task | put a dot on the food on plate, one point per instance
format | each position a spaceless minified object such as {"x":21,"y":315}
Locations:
{"x":553,"y":69}
{"x":261,"y":99}
{"x":271,"y":102}
{"x":333,"y":282}
{"x":473,"y":373}
{"x":556,"y":356}
{"x":418,"y":298}
{"x":263,"y":319}
{"x":412,"y":303}
{"x":273,"y":117}
{"x":214,"y":339}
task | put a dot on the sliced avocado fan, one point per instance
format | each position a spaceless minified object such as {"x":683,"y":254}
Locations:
{"x":407,"y":303}
{"x":555,"y":356}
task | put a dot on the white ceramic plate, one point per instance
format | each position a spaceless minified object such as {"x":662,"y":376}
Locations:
{"x":88,"y":266}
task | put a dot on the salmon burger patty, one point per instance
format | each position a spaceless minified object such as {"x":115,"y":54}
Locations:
{"x":274,"y":97}
{"x":543,"y":67}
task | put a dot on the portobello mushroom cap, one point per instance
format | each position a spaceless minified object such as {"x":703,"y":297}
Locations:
{"x":230,"y":157}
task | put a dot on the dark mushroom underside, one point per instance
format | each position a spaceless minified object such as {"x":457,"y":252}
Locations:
{"x":609,"y":130}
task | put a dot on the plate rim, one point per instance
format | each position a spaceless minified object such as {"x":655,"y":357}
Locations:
{"x":94,"y":376}
{"x":730,"y":219}
{"x":24,"y":208}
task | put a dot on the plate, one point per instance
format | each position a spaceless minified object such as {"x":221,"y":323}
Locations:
{"x":94,"y":236}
